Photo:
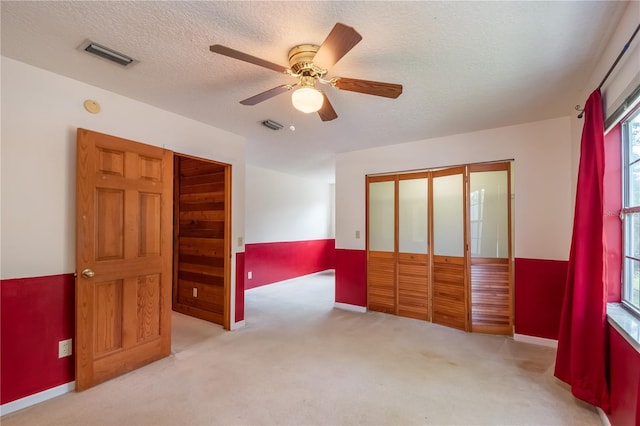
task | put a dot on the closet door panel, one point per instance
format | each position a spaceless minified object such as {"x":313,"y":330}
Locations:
{"x":449,"y":301}
{"x":413,"y":285}
{"x":381,"y":241}
{"x":490,"y":248}
{"x":380,"y":282}
{"x":413,"y":244}
{"x":490,"y":296}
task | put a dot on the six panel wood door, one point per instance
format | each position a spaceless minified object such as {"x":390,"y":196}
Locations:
{"x":123,"y":256}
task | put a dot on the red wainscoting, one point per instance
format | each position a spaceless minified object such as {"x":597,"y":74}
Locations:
{"x":272,"y":262}
{"x":624,"y":370}
{"x":36,"y":313}
{"x":539,"y":291}
{"x":351,"y":277}
{"x":239,"y":287}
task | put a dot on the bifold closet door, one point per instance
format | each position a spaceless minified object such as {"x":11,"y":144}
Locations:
{"x":450,"y":305}
{"x":413,"y":243}
{"x":381,"y":244}
{"x":490,"y":248}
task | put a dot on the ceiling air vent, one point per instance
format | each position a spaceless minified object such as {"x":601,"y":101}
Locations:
{"x":107,"y":53}
{"x":273,"y":125}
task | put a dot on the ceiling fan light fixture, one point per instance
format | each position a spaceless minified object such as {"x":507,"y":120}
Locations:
{"x":307,"y":99}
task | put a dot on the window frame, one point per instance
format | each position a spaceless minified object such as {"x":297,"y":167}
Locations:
{"x":626,"y":212}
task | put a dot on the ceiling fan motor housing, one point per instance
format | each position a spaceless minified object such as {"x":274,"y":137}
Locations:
{"x":301,"y":61}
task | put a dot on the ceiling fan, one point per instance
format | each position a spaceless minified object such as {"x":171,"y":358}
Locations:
{"x":310,"y":64}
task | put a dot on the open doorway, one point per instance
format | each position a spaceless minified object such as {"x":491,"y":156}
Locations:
{"x":202,"y":239}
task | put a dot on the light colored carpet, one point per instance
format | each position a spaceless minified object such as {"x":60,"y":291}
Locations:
{"x":299,"y":361}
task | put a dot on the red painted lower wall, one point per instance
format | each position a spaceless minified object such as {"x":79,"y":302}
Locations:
{"x":35,"y":314}
{"x":624,"y":376}
{"x":351,"y":277}
{"x":539,"y":292}
{"x":239,"y":287}
{"x":272,"y":262}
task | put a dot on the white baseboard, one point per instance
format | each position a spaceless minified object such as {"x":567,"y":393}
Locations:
{"x":603,"y":417}
{"x":348,"y":307}
{"x":238,"y":325}
{"x":536,"y":340}
{"x":36,"y":398}
{"x":292,"y":279}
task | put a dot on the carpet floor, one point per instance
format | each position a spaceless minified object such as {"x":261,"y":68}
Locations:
{"x":300,"y":361}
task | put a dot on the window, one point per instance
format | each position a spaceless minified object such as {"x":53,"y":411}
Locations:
{"x":631,"y":211}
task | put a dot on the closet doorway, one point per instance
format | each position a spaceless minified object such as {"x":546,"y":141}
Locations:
{"x":439,"y":246}
{"x":202,"y":239}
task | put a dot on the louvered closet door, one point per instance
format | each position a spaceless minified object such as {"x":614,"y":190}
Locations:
{"x":450,"y":304}
{"x":413,"y":243}
{"x":381,"y":241}
{"x":490,"y":248}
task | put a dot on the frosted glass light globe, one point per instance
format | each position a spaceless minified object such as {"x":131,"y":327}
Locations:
{"x":307,"y":99}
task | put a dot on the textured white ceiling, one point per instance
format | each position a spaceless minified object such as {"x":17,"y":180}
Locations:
{"x":465,"y":66}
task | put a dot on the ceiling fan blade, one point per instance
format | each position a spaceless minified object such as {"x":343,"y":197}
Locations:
{"x":340,"y":40}
{"x":376,"y":88}
{"x":236,"y":54}
{"x":327,"y":113}
{"x":266,"y":95}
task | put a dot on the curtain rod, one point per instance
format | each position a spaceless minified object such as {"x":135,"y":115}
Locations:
{"x":622,"y":52}
{"x":624,"y":49}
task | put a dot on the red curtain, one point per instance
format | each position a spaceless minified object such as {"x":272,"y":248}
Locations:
{"x":582,"y":340}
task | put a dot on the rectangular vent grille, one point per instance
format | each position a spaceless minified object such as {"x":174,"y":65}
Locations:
{"x":273,"y":125}
{"x":106,"y":53}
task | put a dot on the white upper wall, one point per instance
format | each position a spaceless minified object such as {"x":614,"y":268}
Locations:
{"x":626,"y":75}
{"x":40,"y":114}
{"x":542,"y":154}
{"x":623,"y":79}
{"x":282,"y":207}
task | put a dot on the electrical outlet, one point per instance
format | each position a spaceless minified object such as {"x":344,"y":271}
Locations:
{"x":195,"y":292}
{"x":240,"y":241}
{"x":357,"y":235}
{"x":249,"y":275}
{"x":64,"y":348}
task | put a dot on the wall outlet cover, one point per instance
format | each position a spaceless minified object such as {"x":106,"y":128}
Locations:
{"x":65,"y":348}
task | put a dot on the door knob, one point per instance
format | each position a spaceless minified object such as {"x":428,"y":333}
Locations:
{"x":88,"y":273}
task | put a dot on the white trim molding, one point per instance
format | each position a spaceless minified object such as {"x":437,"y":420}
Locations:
{"x":237,"y":325}
{"x":36,"y":398}
{"x":348,"y":307}
{"x":536,"y":340}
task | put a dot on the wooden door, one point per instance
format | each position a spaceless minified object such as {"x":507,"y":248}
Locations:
{"x":202,"y":242}
{"x":381,"y":244}
{"x":449,"y":278}
{"x":123,"y":256}
{"x":490,"y":248}
{"x":413,"y":246}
